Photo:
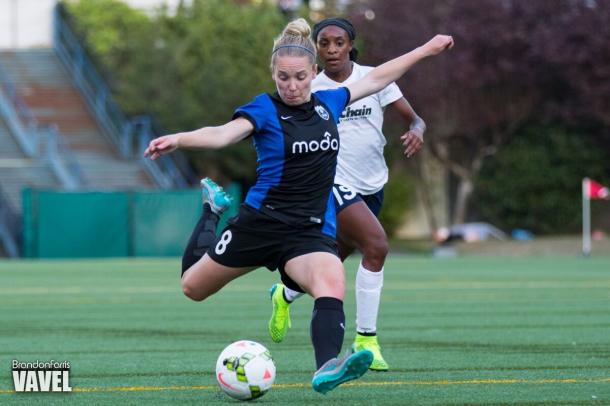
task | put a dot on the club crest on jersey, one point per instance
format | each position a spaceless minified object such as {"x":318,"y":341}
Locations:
{"x":322,"y":112}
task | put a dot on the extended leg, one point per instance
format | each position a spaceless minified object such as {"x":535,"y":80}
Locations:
{"x":360,"y":229}
{"x":201,"y":275}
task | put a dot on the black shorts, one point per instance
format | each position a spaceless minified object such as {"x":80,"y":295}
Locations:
{"x":345,"y":196}
{"x":253,"y":239}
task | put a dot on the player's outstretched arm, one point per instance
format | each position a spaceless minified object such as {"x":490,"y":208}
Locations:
{"x":203,"y":138}
{"x":390,"y":71}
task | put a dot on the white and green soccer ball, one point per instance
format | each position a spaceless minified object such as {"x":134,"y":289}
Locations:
{"x":245,"y":370}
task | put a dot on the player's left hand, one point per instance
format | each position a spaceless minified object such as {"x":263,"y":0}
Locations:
{"x":438,"y":44}
{"x":412,"y":140}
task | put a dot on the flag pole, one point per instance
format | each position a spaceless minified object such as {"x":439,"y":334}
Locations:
{"x":586,"y":218}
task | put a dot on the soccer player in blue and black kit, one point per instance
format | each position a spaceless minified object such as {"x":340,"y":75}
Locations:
{"x":288,"y":219}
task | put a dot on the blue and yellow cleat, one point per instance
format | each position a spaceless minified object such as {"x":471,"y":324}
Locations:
{"x":279,"y":323}
{"x":215,"y":196}
{"x":340,"y":370}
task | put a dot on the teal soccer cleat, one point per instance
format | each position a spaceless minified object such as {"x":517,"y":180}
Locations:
{"x":215,"y":196}
{"x":339,"y":370}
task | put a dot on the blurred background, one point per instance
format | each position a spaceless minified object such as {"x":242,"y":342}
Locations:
{"x":518,"y":114}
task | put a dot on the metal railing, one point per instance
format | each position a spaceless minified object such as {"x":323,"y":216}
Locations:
{"x":35,"y":140}
{"x":130,"y":136}
{"x":10,"y":226}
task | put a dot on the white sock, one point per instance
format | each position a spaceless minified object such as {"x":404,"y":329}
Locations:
{"x":368,"y":294}
{"x":291,"y":295}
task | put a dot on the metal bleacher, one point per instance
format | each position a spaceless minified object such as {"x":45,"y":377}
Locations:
{"x":128,"y":135}
{"x":31,"y":155}
{"x":61,"y":129}
{"x":18,"y":171}
{"x":48,"y":91}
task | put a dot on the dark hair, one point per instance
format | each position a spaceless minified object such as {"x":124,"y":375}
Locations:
{"x":341,"y":23}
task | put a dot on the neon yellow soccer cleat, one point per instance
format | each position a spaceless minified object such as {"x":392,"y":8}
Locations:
{"x":280,"y":317}
{"x":370,"y":343}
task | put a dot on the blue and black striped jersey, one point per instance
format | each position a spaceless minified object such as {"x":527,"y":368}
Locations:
{"x":297,"y":150}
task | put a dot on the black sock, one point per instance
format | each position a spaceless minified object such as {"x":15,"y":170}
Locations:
{"x":203,"y":236}
{"x":366,"y":334}
{"x":327,"y":328}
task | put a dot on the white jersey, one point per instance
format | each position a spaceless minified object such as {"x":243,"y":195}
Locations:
{"x":360,"y":164}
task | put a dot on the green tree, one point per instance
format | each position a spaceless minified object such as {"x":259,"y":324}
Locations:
{"x":535,"y":181}
{"x":399,"y":197}
{"x":189,"y":69}
{"x":113,"y":33}
{"x":515,"y":62}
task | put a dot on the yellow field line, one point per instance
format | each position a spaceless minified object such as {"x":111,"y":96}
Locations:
{"x":357,"y":384}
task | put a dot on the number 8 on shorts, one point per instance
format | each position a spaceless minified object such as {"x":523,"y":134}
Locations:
{"x":225,"y":239}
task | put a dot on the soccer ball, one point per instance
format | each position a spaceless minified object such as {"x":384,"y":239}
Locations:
{"x":245,"y":370}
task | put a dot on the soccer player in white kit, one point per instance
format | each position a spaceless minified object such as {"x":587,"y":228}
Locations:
{"x":359,"y":181}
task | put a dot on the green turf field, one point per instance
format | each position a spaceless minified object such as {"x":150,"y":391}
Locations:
{"x":462,"y":331}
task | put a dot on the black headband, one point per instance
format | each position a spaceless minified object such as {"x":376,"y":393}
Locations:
{"x":338,"y":22}
{"x":341,"y":23}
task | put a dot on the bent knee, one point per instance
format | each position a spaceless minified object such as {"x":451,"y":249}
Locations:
{"x":331,"y":284}
{"x":376,"y":246}
{"x":192,"y":292}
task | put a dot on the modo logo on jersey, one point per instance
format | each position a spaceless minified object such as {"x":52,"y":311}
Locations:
{"x":303,"y":147}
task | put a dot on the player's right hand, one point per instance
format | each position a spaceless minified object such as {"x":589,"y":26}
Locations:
{"x":161,"y":146}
